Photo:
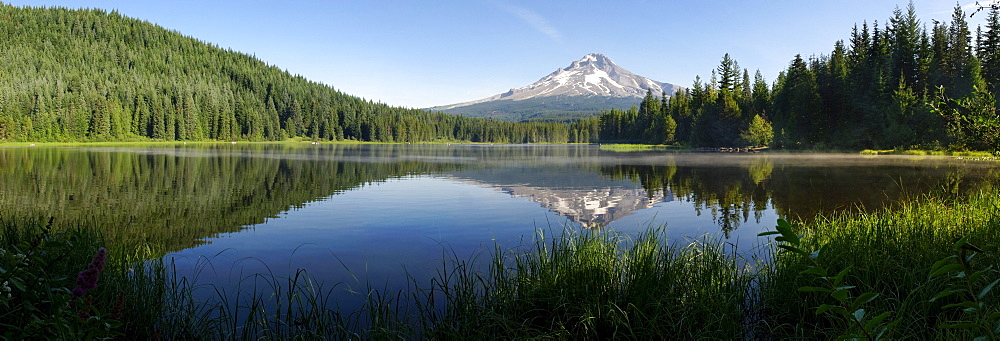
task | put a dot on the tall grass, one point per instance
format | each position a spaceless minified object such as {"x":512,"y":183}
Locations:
{"x":598,"y":285}
{"x":889,"y":253}
{"x":577,"y":284}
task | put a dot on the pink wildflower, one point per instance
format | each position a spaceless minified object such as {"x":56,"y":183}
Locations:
{"x":87,"y":279}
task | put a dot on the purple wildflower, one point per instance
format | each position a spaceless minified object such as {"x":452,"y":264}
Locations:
{"x":87,"y":279}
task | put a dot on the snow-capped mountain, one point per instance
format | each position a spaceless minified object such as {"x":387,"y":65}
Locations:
{"x":587,"y":85}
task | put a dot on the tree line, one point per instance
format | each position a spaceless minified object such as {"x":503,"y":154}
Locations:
{"x":898,"y":84}
{"x":91,"y":75}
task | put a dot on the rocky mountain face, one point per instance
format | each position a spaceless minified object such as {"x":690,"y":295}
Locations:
{"x":583,"y":88}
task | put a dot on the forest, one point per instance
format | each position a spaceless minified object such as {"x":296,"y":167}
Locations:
{"x":895,"y":84}
{"x":91,"y":75}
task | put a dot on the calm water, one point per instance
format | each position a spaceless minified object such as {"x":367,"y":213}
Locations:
{"x":357,"y":214}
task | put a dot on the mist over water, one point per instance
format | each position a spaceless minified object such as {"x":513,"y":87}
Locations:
{"x":357,"y":214}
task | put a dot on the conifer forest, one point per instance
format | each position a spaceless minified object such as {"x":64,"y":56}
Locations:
{"x":91,"y":75}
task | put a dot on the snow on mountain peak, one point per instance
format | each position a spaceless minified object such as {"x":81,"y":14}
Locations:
{"x":592,"y":75}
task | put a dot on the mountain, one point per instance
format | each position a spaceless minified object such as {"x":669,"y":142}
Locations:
{"x":582,"y":89}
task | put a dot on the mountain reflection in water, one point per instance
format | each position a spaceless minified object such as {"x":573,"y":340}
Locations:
{"x":180,"y":196}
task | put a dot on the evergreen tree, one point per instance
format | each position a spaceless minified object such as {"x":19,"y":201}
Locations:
{"x":989,"y":51}
{"x":92,"y":75}
{"x":797,"y":102}
{"x":959,"y":62}
{"x":761,"y":95}
{"x":905,"y":34}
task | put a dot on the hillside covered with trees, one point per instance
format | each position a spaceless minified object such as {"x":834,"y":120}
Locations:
{"x":896,"y":84}
{"x":90,"y":75}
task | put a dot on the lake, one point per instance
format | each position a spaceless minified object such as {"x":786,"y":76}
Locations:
{"x":358,"y":215}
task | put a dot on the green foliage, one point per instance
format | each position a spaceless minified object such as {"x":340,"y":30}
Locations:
{"x":973,"y":122}
{"x":889,"y":253}
{"x":89,"y":75}
{"x":649,"y":123}
{"x":979,"y":304}
{"x":597,"y":285}
{"x":874,"y":92}
{"x":37,"y":272}
{"x":759,"y":133}
{"x":848,"y":307}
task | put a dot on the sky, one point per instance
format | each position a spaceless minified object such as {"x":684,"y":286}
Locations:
{"x":419,"y":54}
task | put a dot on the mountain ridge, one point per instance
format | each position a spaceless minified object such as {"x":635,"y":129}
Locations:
{"x":586,"y":84}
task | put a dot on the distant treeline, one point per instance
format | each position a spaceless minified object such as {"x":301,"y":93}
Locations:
{"x":89,"y":75}
{"x":892,"y":85}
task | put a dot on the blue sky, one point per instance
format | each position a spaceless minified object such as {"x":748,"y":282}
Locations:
{"x":421,"y":54}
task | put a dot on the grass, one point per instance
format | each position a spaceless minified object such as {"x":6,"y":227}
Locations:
{"x":579,"y":284}
{"x":924,"y":152}
{"x":39,"y":269}
{"x":889,"y":253}
{"x":597,"y":285}
{"x":623,"y":147}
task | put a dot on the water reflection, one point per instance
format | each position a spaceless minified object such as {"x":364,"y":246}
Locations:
{"x":177,"y":196}
{"x":581,"y":195}
{"x":174,"y":197}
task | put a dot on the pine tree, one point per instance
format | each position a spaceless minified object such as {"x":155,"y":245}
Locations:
{"x":905,"y":30}
{"x":989,"y":51}
{"x":796,"y":104}
{"x":959,"y":62}
{"x":761,"y":95}
{"x":940,"y":56}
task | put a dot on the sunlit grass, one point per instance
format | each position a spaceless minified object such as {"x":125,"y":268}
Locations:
{"x":922,"y":152}
{"x":622,"y":147}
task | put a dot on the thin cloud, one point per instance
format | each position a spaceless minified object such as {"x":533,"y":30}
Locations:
{"x":533,"y":19}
